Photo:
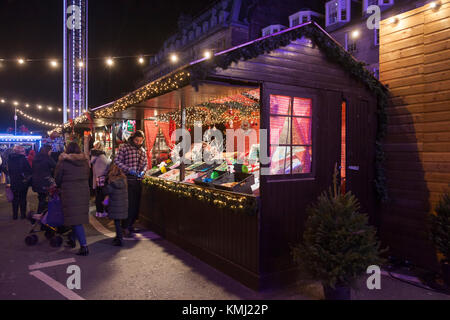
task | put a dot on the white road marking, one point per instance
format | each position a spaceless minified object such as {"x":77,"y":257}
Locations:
{"x":147,"y":235}
{"x":100,"y":228}
{"x":52,"y":283}
{"x":39,"y":265}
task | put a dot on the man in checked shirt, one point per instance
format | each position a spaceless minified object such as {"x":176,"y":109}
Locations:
{"x":132,"y":159}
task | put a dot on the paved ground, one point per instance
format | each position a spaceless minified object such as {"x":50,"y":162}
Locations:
{"x":142,"y":269}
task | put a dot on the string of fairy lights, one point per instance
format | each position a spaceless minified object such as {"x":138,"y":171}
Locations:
{"x":56,"y":63}
{"x":145,"y":92}
{"x":153,"y":89}
{"x":45,"y":123}
{"x":40,"y":107}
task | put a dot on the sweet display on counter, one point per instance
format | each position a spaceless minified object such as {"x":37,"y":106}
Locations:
{"x":172,"y":175}
{"x":209,"y":177}
{"x":190,"y":176}
{"x":236,"y":172}
{"x":238,"y":182}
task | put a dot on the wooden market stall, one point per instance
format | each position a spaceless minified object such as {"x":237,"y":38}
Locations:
{"x":414,"y":63}
{"x":319,"y":107}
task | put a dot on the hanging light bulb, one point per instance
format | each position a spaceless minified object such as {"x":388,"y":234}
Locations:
{"x":39,"y":106}
{"x":435,"y":5}
{"x":3,"y":101}
{"x":393,"y":20}
{"x":80,"y":64}
{"x":53,"y":63}
{"x":355,"y":34}
{"x":173,"y":58}
{"x":110,"y":62}
{"x":141,"y":60}
{"x":20,"y":61}
{"x":16,"y":103}
{"x":207,"y":54}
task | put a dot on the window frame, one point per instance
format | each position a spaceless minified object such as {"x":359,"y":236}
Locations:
{"x":339,"y":12}
{"x":380,"y":3}
{"x":301,"y":94}
{"x":348,"y":38}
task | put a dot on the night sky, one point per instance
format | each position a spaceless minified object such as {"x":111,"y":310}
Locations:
{"x":32,"y":29}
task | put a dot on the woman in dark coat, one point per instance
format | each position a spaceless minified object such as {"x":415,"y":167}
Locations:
{"x":72,"y":176}
{"x":43,"y":166}
{"x":117,"y":199}
{"x":19,"y":172}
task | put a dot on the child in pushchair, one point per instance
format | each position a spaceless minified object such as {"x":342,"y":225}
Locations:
{"x":50,"y":221}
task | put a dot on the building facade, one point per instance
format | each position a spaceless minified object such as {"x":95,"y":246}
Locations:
{"x":227,"y":23}
{"x":347,"y":22}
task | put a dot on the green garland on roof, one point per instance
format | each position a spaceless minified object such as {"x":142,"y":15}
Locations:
{"x":333,"y":52}
{"x":234,"y":202}
{"x":211,"y":113}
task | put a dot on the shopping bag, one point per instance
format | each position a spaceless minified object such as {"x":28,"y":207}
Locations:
{"x":9,"y":194}
{"x":101,"y":181}
{"x":55,"y":216}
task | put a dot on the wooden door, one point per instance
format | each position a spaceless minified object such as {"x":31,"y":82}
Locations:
{"x":360,"y":145}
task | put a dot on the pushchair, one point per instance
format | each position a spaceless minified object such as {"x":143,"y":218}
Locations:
{"x":50,"y":222}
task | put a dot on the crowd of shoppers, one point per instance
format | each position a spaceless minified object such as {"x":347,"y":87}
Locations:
{"x":117,"y":184}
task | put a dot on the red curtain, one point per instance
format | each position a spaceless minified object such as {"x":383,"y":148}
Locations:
{"x":165,"y":129}
{"x":151,"y":131}
{"x":172,"y":126}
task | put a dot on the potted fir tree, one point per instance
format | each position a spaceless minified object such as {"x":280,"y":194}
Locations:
{"x":338,"y":243}
{"x":440,"y":234}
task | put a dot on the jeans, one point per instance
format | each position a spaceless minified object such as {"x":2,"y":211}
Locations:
{"x":134,"y":201}
{"x":119,"y":233}
{"x":78,"y":233}
{"x":43,"y":204}
{"x":99,"y":197}
{"x":20,"y":200}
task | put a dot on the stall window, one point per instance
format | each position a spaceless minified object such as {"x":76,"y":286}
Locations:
{"x":290,"y":135}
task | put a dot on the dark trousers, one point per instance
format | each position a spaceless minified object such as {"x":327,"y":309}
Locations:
{"x":43,"y":203}
{"x":134,"y":201}
{"x":78,"y":233}
{"x":119,"y":232}
{"x":99,"y":197}
{"x":20,"y":200}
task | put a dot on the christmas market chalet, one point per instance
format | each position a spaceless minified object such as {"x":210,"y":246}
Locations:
{"x":321,"y":108}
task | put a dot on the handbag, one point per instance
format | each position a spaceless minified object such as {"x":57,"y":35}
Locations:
{"x":55,"y":216}
{"x":101,"y":181}
{"x":9,"y":194}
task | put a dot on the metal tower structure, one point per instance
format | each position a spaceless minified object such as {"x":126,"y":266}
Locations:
{"x":75,"y":33}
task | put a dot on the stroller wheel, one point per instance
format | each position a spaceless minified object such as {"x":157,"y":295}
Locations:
{"x":56,"y":242}
{"x":49,"y":234}
{"x":31,"y":240}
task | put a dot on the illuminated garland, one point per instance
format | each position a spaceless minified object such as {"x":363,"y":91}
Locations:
{"x":80,"y":119}
{"x":216,"y":198}
{"x":45,"y":123}
{"x":149,"y":91}
{"x":214,"y":113}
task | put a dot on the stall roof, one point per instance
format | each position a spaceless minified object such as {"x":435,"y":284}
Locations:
{"x":163,"y":95}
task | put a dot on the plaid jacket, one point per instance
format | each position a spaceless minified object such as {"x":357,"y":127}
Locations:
{"x":130,"y":158}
